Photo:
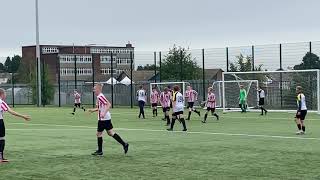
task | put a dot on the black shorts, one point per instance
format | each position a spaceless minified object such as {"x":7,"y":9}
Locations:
{"x":154,"y":104}
{"x":2,"y":129}
{"x":261,"y":101}
{"x":211,"y":109}
{"x":104,"y":125}
{"x":190,"y":104}
{"x":177,"y":113}
{"x":170,"y":104}
{"x":302,"y":116}
{"x":77,"y":105}
{"x":166,"y":109}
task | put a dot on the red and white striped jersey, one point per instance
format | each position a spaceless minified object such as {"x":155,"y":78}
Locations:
{"x":101,"y":104}
{"x":191,"y":95}
{"x":165,"y":99}
{"x":77,"y":98}
{"x":211,"y":100}
{"x":154,"y":97}
{"x":3,"y":108}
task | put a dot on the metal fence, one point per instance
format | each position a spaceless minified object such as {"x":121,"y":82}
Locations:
{"x":270,"y":57}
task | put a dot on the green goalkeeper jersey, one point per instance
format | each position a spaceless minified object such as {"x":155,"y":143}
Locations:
{"x":243,"y":95}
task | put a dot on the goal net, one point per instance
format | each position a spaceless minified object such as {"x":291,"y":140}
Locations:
{"x":161,"y":85}
{"x":232,"y":89}
{"x":279,"y":87}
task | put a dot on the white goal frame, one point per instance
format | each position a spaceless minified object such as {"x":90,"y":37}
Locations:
{"x":282,"y":71}
{"x":222,"y":98}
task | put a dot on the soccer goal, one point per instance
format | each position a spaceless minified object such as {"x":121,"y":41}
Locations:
{"x":161,"y":85}
{"x":232,"y":89}
{"x":279,"y":87}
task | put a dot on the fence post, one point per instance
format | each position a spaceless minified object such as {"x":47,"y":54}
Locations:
{"x":59,"y":81}
{"x":252,"y":54}
{"x":37,"y":83}
{"x":111,"y":80}
{"x":227,"y":58}
{"x":181,"y":78}
{"x":160,"y":66}
{"x":93,"y":79}
{"x":42,"y":83}
{"x":12,"y":84}
{"x":155,"y":66}
{"x":75,"y":70}
{"x":310,"y":47}
{"x":281,"y":93}
{"x":203,"y":78}
{"x":131,"y":76}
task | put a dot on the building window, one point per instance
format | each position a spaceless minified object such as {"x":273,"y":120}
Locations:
{"x":50,"y":50}
{"x":80,"y":71}
{"x":107,"y":59}
{"x":80,"y":58}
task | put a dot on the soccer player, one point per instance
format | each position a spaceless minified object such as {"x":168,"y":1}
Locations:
{"x":104,"y":121}
{"x":177,"y":105}
{"x":191,"y":96}
{"x":301,"y":112}
{"x":165,"y":97}
{"x":154,"y":99}
{"x":77,"y":101}
{"x":211,"y":105}
{"x":262,"y":95}
{"x":142,"y":98}
{"x":243,"y":99}
{"x":5,"y":108}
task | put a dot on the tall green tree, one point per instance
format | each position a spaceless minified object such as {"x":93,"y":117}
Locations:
{"x":309,"y":61}
{"x":11,"y":65}
{"x":179,"y":64}
{"x":46,"y":88}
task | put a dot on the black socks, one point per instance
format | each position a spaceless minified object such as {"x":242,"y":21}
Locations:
{"x":299,"y":126}
{"x":303,"y":128}
{"x":168,"y":120}
{"x":172,"y":122}
{"x":2,"y":144}
{"x":118,"y":138}
{"x":100,"y":141}
{"x":205,"y":117}
{"x":189,"y":115}
{"x":183,"y":123}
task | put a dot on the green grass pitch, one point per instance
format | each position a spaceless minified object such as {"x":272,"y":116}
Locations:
{"x":57,"y":145}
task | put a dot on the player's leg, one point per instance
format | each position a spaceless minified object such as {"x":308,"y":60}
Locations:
{"x":2,"y":141}
{"x":100,"y":129}
{"x":167,"y":117}
{"x":190,"y":110}
{"x":115,"y":136}
{"x":181,"y":119}
{"x":206,"y":115}
{"x":82,"y":107}
{"x":173,"y":120}
{"x":298,"y":122}
{"x":140,"y":108}
{"x":153,"y":110}
{"x":194,"y":109}
{"x":74,"y":108}
{"x":213,"y":112}
{"x":302,"y":118}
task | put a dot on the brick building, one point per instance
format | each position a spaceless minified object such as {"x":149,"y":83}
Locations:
{"x":87,"y":58}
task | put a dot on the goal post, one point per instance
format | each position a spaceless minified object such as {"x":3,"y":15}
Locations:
{"x":279,"y":87}
{"x":161,"y":85}
{"x":231,"y":101}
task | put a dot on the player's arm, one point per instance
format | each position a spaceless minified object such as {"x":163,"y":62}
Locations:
{"x":174,"y":99}
{"x":106,"y":108}
{"x":93,"y":110}
{"x":25,"y":117}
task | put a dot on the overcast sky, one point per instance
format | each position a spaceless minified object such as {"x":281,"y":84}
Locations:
{"x":158,"y":24}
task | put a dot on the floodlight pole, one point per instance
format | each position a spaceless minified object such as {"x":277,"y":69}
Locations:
{"x":38,"y":54}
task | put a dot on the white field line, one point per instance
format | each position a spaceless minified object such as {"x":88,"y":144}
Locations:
{"x":190,"y":132}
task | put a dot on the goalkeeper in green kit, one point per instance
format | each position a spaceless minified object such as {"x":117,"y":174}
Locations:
{"x":243,"y":99}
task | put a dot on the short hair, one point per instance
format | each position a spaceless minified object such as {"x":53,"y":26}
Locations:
{"x":166,"y":89}
{"x":299,"y":88}
{"x":2,"y":91}
{"x":210,"y":89}
{"x":99,"y":85}
{"x":141,"y":86}
{"x":176,"y":88}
